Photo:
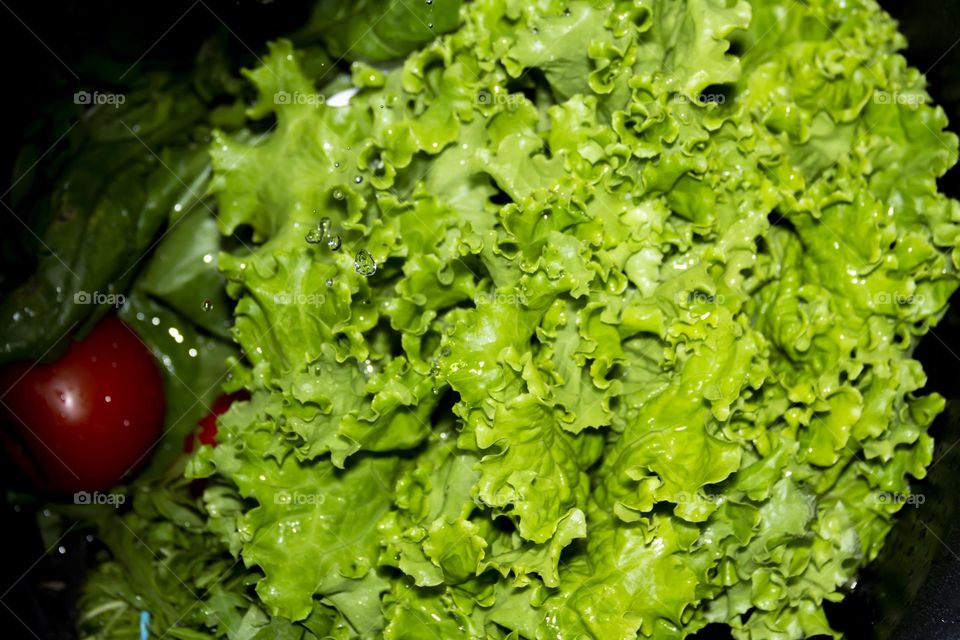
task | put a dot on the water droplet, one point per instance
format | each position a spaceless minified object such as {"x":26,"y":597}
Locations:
{"x":364,"y":264}
{"x":336,"y":165}
{"x":430,"y":26}
{"x":314,"y":236}
{"x":207,"y":304}
{"x":329,"y":282}
{"x":334,"y":242}
{"x":429,"y":1}
{"x":337,"y":194}
{"x":367,"y":367}
{"x":358,"y":179}
{"x":319,"y":233}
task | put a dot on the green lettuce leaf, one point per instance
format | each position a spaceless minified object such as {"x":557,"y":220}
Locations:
{"x":585,"y":320}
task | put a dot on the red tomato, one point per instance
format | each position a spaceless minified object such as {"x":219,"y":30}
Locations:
{"x":208,"y":425}
{"x":88,"y":419}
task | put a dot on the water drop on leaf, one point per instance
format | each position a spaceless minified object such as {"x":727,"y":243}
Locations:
{"x":364,"y":264}
{"x":314,"y":236}
{"x":367,"y":367}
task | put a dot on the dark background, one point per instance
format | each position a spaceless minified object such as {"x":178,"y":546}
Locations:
{"x":50,"y":50}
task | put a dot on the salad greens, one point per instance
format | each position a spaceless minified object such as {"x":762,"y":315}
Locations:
{"x":124,"y":223}
{"x":114,"y":194}
{"x":609,"y":335}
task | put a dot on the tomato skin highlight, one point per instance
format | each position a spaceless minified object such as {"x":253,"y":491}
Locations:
{"x":92,"y":416}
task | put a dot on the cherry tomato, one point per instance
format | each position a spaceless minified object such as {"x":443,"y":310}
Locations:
{"x":88,"y":419}
{"x":208,"y":425}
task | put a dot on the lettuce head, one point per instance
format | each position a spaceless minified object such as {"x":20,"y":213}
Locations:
{"x":570,"y":319}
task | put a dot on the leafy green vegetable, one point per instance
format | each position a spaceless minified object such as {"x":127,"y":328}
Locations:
{"x":131,"y":167}
{"x":607,"y":333}
{"x":377,"y":30}
{"x":114,"y":195}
